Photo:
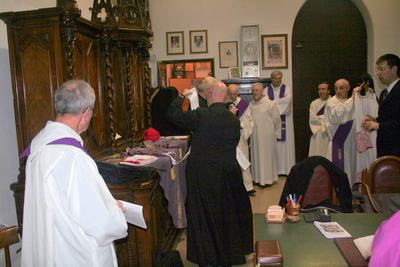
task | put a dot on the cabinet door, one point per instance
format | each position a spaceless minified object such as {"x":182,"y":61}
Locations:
{"x":87,"y":66}
{"x":36,"y":71}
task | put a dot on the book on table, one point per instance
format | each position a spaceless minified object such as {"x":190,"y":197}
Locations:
{"x":331,"y":230}
{"x":268,"y":253}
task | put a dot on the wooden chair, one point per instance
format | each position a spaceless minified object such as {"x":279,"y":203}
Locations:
{"x":8,"y":236}
{"x":383,"y":176}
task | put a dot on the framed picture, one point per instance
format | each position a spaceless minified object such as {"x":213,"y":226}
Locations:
{"x":228,"y":54}
{"x":274,"y":51}
{"x":198,"y":41}
{"x":175,"y":44}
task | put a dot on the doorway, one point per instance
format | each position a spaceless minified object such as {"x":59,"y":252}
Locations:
{"x":329,"y":42}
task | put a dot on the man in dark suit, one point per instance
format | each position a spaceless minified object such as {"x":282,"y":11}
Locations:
{"x":388,"y":122}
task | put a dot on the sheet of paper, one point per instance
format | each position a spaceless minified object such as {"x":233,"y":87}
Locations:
{"x":243,"y":161}
{"x":134,"y":214}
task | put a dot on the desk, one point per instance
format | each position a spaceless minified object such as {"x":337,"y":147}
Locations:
{"x":303,"y":245}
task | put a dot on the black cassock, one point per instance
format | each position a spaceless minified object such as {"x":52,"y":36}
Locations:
{"x":219,"y":216}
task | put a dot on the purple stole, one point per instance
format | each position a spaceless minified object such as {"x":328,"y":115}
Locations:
{"x":321,"y":111}
{"x":62,"y":141}
{"x":283,"y":117}
{"x":241,"y":106}
{"x":338,"y":143}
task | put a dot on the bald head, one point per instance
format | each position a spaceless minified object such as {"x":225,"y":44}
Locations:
{"x":342,"y":87}
{"x":232,"y":92}
{"x":217,"y":93}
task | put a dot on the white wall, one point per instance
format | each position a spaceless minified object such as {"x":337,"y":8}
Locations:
{"x":221,"y":18}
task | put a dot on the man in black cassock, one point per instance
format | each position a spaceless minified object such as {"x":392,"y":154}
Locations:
{"x":219,"y":216}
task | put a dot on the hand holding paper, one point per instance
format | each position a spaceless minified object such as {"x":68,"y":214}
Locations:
{"x":134,"y":214}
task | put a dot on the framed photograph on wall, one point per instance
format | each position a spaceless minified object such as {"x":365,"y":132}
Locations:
{"x":228,"y":54}
{"x":274,"y":51}
{"x":198,"y":41}
{"x":175,"y":43}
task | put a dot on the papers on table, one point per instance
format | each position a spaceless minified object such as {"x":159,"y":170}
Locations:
{"x":134,"y":214}
{"x":138,"y":160}
{"x":331,"y":229}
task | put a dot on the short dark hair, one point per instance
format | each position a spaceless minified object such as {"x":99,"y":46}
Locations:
{"x":392,"y":60}
{"x":325,"y":82}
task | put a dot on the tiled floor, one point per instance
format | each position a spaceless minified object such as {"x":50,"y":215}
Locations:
{"x":265,"y":196}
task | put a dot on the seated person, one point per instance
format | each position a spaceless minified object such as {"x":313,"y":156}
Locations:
{"x":386,"y":244}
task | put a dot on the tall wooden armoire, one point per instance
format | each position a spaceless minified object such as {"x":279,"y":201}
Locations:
{"x":51,"y":45}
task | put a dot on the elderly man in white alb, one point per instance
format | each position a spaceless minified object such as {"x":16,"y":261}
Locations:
{"x":319,"y":140}
{"x":70,"y":216}
{"x":263,"y":139}
{"x":281,"y":95}
{"x":339,"y":116}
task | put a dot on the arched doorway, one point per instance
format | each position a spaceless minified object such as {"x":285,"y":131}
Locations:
{"x":329,"y":42}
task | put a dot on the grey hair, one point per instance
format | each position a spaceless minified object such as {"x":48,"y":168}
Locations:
{"x":206,"y":83}
{"x":276,"y":72}
{"x":258,"y":84}
{"x":73,"y":97}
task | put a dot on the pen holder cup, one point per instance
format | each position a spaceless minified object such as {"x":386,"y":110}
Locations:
{"x":292,"y":210}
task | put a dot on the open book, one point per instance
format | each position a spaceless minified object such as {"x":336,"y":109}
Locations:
{"x":331,"y":230}
{"x":364,"y":245}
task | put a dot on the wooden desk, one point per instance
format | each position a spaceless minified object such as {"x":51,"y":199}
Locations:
{"x":303,"y":245}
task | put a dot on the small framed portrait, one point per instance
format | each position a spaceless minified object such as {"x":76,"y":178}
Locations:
{"x":274,"y":51}
{"x":198,"y":41}
{"x":175,"y":44}
{"x":228,"y":54}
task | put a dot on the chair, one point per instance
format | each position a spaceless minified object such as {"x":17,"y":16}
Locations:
{"x":8,"y":236}
{"x":382,"y":178}
{"x":320,"y":182}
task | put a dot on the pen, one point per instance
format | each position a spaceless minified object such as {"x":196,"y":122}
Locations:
{"x":299,"y":199}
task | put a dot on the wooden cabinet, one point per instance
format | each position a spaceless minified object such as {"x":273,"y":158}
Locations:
{"x":51,"y":45}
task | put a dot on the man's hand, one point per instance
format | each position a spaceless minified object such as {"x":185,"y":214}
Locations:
{"x":233,"y":109}
{"x":370,"y":124}
{"x":120,"y":205}
{"x":355,"y":91}
{"x":186,"y":92}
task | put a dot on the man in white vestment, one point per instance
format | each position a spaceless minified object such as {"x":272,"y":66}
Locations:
{"x":263,"y":139}
{"x":339,"y":122}
{"x":281,"y":95}
{"x":70,"y":217}
{"x":319,"y":139}
{"x":233,"y":97}
{"x":246,"y":125}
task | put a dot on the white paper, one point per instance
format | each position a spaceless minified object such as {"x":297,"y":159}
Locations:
{"x":134,"y":214}
{"x":364,"y":245}
{"x":243,"y":161}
